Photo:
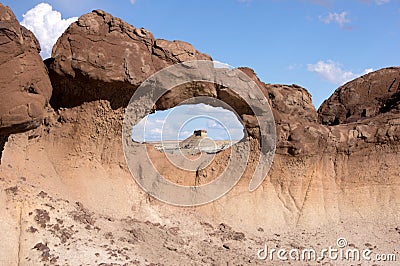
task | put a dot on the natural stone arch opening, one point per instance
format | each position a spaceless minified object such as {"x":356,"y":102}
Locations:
{"x":201,"y":94}
{"x":191,"y":93}
{"x":190,"y":127}
{"x":212,"y":83}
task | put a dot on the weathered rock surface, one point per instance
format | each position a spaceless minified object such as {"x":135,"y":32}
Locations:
{"x":295,"y":118}
{"x":309,"y":153}
{"x":25,"y":87}
{"x":302,"y":131}
{"x":103,"y":57}
{"x":368,"y":96}
{"x":326,"y":181}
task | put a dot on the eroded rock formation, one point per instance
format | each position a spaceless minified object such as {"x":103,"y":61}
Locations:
{"x":335,"y":172}
{"x":103,"y":57}
{"x":25,"y":87}
{"x":371,"y":95}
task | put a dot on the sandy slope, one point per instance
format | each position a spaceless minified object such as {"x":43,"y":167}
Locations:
{"x":68,"y":199}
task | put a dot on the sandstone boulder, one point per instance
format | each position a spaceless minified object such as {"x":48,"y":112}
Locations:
{"x":372,"y":94}
{"x":297,"y":128}
{"x":103,"y":57}
{"x":25,"y":87}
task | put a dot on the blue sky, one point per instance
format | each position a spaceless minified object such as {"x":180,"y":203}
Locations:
{"x":181,"y":121}
{"x":318,"y":44}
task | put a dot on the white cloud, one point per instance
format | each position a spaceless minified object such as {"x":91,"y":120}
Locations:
{"x":180,"y":121}
{"x":47,"y":25}
{"x":132,"y":1}
{"x":155,"y":131}
{"x":339,"y":18}
{"x":185,"y":134}
{"x":295,"y":66}
{"x":159,"y":121}
{"x":212,"y":124}
{"x":381,"y":2}
{"x":332,"y":71}
{"x":378,"y":2}
{"x":320,"y":2}
{"x":218,"y":64}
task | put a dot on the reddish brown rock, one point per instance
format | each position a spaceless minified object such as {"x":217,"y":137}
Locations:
{"x":368,"y":96}
{"x":344,"y":177}
{"x":185,"y":92}
{"x":103,"y":57}
{"x":24,"y":83}
{"x":293,"y":111}
{"x":297,"y":128}
{"x":100,"y":57}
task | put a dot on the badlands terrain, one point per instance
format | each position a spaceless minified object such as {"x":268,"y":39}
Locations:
{"x":67,"y":196}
